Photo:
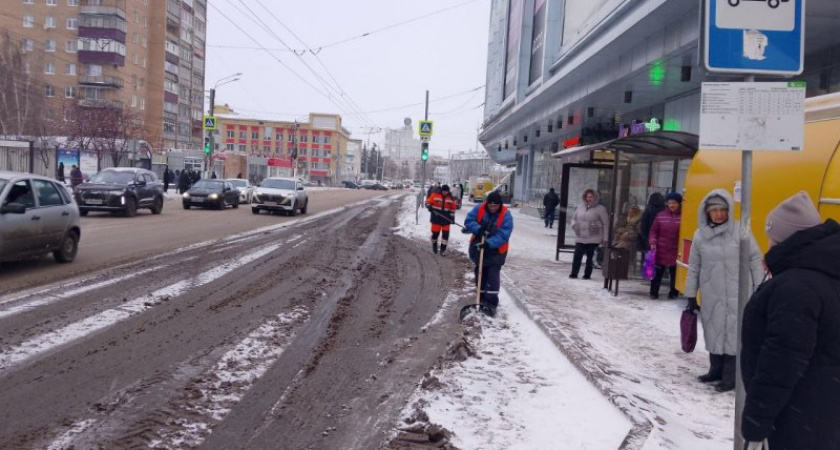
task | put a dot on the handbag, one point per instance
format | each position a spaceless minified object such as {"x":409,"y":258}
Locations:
{"x":649,"y":268}
{"x":688,"y":329}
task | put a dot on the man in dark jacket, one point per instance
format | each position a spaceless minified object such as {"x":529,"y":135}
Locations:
{"x":550,"y":202}
{"x":167,"y":178}
{"x":790,"y":357}
{"x":76,"y":177}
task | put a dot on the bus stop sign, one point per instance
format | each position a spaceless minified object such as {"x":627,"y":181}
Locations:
{"x":754,"y":36}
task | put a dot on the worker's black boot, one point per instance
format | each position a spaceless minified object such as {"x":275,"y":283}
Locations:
{"x":435,"y":247}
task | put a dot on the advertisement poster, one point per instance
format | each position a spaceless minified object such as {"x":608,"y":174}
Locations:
{"x":70,"y":158}
{"x":87,"y":163}
{"x":513,"y":36}
{"x":537,"y":42}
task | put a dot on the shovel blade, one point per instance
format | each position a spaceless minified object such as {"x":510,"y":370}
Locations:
{"x":473,"y":308}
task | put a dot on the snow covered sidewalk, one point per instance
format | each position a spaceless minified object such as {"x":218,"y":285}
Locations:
{"x":626,"y":346}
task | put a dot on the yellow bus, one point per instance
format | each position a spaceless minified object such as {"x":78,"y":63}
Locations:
{"x":776,"y":176}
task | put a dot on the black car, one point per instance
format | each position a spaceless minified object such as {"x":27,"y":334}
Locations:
{"x":120,"y":190}
{"x":350,"y":185}
{"x":211,"y":193}
{"x":376,"y":187}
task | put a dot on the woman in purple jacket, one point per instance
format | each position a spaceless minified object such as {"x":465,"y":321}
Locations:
{"x":664,"y":238}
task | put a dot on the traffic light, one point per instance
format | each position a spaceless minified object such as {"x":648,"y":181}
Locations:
{"x":424,"y":151}
{"x":207,"y":146}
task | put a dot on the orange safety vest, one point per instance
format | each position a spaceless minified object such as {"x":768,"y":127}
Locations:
{"x":501,"y":219}
{"x":436,"y":200}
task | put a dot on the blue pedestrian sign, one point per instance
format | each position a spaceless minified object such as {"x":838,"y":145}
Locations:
{"x":209,"y":122}
{"x":755,"y":36}
{"x":425,"y":128}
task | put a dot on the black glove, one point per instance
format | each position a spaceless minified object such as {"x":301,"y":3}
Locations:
{"x":482,"y":230}
{"x":465,"y":230}
{"x":479,"y":245}
{"x":692,"y":304}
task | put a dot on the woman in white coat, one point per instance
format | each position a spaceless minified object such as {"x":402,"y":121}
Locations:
{"x":713,"y":271}
{"x":590,"y":223}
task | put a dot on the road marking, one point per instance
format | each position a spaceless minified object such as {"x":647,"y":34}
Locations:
{"x":83,"y":328}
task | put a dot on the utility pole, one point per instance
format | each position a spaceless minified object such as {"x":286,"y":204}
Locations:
{"x":210,"y":136}
{"x":295,"y":150}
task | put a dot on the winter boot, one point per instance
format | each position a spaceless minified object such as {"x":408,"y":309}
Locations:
{"x":442,"y":249}
{"x":673,"y":294}
{"x":727,"y":382}
{"x":435,"y":247}
{"x":715,"y":369}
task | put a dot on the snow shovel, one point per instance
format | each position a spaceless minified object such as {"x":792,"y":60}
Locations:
{"x":466,"y":310}
{"x":446,"y":218}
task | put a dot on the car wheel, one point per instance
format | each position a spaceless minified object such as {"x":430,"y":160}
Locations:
{"x":130,"y":207}
{"x":157,"y":206}
{"x":305,"y":207}
{"x":66,"y":253}
{"x":294,"y":210}
{"x":255,"y":210}
{"x":83,"y":212}
{"x":187,"y":206}
{"x":236,"y":204}
{"x":222,"y":204}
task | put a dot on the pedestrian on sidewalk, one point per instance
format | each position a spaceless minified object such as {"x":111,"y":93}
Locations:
{"x":492,"y":221}
{"x":167,"y":178}
{"x":664,"y":237}
{"x":60,"y":172}
{"x":550,"y":202}
{"x":655,"y":205}
{"x":442,"y":207}
{"x":590,"y":223}
{"x":76,"y":177}
{"x":713,"y":272}
{"x":790,"y":363}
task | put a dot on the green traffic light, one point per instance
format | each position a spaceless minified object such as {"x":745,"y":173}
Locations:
{"x":424,"y":151}
{"x":207,"y":146}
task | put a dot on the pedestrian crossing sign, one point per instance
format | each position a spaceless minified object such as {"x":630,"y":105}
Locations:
{"x":209,"y":122}
{"x":426,"y":128}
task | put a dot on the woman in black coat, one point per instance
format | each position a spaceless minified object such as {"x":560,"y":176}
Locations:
{"x":790,"y":354}
{"x":656,"y":204}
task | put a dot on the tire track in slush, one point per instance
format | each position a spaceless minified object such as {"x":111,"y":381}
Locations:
{"x":78,"y":330}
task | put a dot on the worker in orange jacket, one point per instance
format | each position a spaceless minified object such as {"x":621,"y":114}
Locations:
{"x":442,"y":207}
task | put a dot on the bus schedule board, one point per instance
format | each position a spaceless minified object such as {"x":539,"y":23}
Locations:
{"x":752,"y":116}
{"x":754,"y":36}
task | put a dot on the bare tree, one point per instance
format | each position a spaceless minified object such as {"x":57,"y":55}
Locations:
{"x":121,"y":133}
{"x":83,"y":127}
{"x":22,"y":93}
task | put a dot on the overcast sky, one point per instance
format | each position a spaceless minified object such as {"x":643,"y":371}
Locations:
{"x":383,"y":76}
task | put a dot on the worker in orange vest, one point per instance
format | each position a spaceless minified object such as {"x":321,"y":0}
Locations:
{"x":442,"y":207}
{"x":493,"y":222}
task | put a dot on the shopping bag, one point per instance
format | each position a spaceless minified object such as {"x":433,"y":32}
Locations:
{"x":649,"y":268}
{"x":688,"y":329}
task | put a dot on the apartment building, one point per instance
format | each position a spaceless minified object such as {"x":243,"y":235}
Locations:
{"x":321,"y":143}
{"x":144,"y":55}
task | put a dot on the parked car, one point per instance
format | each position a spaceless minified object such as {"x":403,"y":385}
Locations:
{"x":245,"y":188}
{"x":280,"y":194}
{"x":37,"y":216}
{"x":120,"y":190}
{"x":211,"y":194}
{"x":350,"y":185}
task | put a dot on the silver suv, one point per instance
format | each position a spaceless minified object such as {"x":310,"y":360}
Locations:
{"x":280,"y":194}
{"x":37,"y":216}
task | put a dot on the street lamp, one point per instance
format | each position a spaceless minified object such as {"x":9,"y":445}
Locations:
{"x":211,"y":112}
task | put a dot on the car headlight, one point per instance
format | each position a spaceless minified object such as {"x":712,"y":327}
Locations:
{"x":213,"y":196}
{"x":186,"y":195}
{"x":116,"y":192}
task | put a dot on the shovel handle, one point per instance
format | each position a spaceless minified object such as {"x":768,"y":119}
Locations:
{"x":480,"y":272}
{"x":446,"y":218}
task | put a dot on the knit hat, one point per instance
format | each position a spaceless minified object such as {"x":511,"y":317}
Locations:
{"x":445,"y":187}
{"x":794,"y":214}
{"x":494,"y":197}
{"x":674,"y":196}
{"x":716,"y":201}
